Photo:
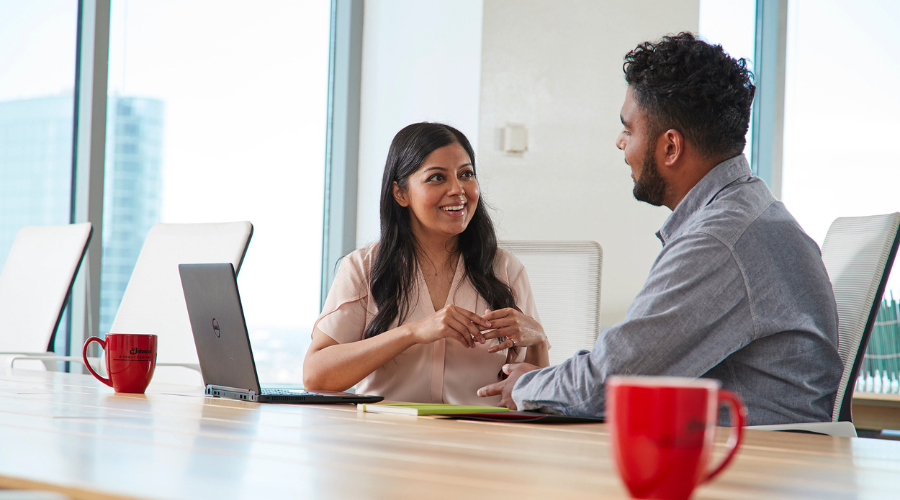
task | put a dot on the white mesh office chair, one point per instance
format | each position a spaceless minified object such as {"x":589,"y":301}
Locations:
{"x":858,"y":253}
{"x":154,"y":301}
{"x":35,"y":285}
{"x":565,"y":279}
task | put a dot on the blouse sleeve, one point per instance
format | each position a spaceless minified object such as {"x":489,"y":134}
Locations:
{"x":343,"y":316}
{"x":521,"y":288}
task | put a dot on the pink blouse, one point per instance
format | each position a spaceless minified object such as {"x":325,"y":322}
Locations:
{"x":443,"y":371}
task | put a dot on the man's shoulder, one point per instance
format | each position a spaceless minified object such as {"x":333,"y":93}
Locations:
{"x":729,"y":215}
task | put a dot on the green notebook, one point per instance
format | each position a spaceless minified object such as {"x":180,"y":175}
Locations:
{"x":416,"y":409}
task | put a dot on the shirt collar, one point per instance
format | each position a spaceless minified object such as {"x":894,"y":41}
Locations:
{"x":702,"y":193}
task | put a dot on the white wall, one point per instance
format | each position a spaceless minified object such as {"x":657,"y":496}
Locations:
{"x":421,"y":62}
{"x":557,"y":67}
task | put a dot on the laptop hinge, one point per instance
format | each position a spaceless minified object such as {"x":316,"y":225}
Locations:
{"x":221,"y":391}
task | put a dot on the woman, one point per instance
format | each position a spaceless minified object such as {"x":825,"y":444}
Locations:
{"x":400,"y":318}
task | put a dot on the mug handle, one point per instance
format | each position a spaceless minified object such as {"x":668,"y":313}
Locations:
{"x":84,"y":356}
{"x":739,"y":419}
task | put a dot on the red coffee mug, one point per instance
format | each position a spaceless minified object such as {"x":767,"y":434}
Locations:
{"x":663,"y":430}
{"x":130,"y":360}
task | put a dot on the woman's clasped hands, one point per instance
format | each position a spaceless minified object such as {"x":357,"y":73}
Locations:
{"x":512,"y":327}
{"x":451,"y":322}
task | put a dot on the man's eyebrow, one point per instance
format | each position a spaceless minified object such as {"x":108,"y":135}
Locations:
{"x":622,"y":119}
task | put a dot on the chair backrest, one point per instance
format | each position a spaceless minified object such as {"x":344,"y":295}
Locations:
{"x":565,"y":280}
{"x":35,"y":284}
{"x":154,"y":301}
{"x":858,"y":253}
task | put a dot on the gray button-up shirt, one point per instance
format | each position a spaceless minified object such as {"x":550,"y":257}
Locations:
{"x":739,"y":293}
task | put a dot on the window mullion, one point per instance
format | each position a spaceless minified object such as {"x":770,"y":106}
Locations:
{"x":89,"y":157}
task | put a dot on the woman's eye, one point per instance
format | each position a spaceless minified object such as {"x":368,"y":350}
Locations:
{"x":468,"y":174}
{"x":436,"y":177}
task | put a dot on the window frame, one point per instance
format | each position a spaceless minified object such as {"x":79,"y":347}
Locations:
{"x":89,"y":149}
{"x":342,"y":138}
{"x":88,"y":161}
{"x":768,"y":105}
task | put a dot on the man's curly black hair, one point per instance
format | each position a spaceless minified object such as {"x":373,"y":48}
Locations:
{"x":686,"y":84}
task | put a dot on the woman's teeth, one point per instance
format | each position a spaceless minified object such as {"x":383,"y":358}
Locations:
{"x":452,"y":209}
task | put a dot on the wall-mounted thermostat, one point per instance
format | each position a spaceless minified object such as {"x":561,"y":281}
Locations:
{"x":515,"y":138}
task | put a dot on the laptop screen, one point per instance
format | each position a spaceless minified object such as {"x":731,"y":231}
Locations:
{"x":217,"y":320}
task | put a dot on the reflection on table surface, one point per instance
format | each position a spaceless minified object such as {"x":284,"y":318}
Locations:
{"x":68,"y":433}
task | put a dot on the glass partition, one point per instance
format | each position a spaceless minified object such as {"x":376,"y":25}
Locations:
{"x":217,"y":112}
{"x":37,"y":63}
{"x":842,"y":114}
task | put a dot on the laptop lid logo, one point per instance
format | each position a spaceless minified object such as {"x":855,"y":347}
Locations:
{"x":216,"y":328}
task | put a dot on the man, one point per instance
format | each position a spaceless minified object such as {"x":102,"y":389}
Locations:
{"x":739,"y":292}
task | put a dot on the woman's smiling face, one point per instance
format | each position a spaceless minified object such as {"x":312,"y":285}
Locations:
{"x":442,"y":194}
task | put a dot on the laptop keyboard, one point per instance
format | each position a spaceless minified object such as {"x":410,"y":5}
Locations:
{"x":284,"y":392}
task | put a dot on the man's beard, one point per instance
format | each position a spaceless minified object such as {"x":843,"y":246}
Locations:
{"x":650,"y":187}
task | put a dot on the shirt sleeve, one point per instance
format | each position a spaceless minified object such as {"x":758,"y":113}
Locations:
{"x":685,"y":320}
{"x":344,"y":315}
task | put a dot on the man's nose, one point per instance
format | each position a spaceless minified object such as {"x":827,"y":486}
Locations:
{"x":620,"y":141}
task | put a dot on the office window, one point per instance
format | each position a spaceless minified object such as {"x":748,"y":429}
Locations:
{"x":37,"y":63}
{"x":217,"y":112}
{"x":732,"y":24}
{"x":842,"y":114}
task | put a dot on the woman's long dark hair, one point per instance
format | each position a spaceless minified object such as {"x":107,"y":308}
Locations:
{"x":392,"y":280}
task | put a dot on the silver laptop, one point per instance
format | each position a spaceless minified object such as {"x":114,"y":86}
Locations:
{"x":223,"y":345}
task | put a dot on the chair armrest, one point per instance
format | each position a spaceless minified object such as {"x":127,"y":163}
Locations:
{"x":49,"y":358}
{"x":95,"y":362}
{"x":836,"y":429}
{"x":9,"y":358}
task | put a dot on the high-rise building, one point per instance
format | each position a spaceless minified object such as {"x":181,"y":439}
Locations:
{"x":131,"y":192}
{"x":35,"y":165}
{"x":36,"y":179}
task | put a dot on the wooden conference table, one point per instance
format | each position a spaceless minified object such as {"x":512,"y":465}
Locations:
{"x":68,"y":433}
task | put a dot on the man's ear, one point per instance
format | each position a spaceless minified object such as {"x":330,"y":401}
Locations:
{"x":669,"y":148}
{"x":400,"y":195}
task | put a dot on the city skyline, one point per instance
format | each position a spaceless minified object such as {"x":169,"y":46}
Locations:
{"x":35,"y":189}
{"x":35,"y":164}
{"x":36,"y":173}
{"x":132,"y":201}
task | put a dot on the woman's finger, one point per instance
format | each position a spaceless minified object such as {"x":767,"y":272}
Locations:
{"x":496,"y":314}
{"x":461,"y":329}
{"x":459,"y":337}
{"x":472,"y":328}
{"x":495,"y":334}
{"x":450,"y":328}
{"x":504,"y":332}
{"x":474,"y":318}
{"x":506,"y":344}
{"x":502,"y":323}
